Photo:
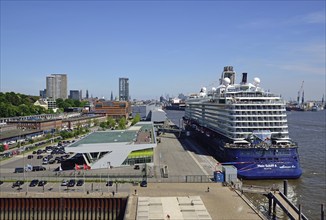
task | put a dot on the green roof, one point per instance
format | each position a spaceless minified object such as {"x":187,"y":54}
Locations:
{"x":113,"y":136}
{"x":107,"y":137}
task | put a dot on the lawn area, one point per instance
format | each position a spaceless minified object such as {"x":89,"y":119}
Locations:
{"x":141,"y":153}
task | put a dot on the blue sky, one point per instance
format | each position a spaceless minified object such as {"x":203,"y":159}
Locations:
{"x":163,"y":47}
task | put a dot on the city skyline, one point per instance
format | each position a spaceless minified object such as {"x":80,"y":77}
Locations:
{"x":163,"y":47}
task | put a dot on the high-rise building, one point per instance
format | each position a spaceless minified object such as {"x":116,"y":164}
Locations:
{"x":43,"y":93}
{"x":56,"y":86}
{"x":123,"y":89}
{"x":74,"y":94}
{"x":87,"y":94}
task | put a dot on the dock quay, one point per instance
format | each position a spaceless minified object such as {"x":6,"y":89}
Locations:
{"x":187,"y":192}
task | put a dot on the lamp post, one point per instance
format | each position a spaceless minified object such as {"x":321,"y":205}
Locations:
{"x":19,"y":140}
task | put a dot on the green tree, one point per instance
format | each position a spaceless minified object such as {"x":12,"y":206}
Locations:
{"x":24,"y":110}
{"x":103,"y":125}
{"x":110,"y":122}
{"x":96,"y":122}
{"x":122,"y":123}
{"x":76,"y":103}
{"x":135,"y":119}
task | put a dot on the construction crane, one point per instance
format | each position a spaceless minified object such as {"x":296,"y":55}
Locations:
{"x":299,"y":92}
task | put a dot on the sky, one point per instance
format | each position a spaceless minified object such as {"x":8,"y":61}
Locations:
{"x":163,"y":47}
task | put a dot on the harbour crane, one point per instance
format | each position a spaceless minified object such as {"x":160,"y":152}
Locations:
{"x":299,"y":92}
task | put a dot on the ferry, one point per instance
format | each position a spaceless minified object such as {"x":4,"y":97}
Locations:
{"x":245,"y":126}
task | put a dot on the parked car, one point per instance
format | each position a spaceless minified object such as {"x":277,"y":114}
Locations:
{"x":30,"y":156}
{"x":143,"y":183}
{"x":38,"y":168}
{"x":18,"y":183}
{"x":1,"y":182}
{"x":42,"y":183}
{"x":19,"y":170}
{"x":136,"y":167}
{"x":39,"y":156}
{"x":51,"y":161}
{"x":109,"y":183}
{"x":71,"y":183}
{"x":33,"y":183}
{"x":64,"y":183}
{"x":80,"y":182}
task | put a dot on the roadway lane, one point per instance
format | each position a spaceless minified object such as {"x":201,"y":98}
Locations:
{"x":183,"y":157}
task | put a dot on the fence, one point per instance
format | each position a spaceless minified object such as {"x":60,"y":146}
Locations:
{"x":113,"y":177}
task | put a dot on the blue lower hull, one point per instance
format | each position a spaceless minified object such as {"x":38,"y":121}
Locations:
{"x":256,"y":163}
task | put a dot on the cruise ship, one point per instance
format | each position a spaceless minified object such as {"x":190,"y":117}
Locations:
{"x":244,"y":125}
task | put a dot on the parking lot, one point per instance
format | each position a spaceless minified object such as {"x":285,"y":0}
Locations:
{"x":45,"y":159}
{"x":184,"y":161}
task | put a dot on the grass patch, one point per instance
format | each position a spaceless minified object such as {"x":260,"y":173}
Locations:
{"x":141,"y":153}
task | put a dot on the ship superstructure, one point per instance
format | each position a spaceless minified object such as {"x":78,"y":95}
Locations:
{"x":245,"y":126}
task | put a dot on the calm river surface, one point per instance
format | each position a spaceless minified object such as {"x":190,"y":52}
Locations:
{"x":308,"y":129}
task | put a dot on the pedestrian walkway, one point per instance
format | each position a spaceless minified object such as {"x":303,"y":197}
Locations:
{"x":220,"y":202}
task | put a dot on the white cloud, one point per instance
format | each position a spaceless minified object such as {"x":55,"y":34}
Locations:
{"x":303,"y":68}
{"x":314,"y":18}
{"x":317,"y":17}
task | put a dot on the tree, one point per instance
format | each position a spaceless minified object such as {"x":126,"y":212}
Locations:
{"x":103,"y":125}
{"x":16,"y":104}
{"x":110,"y":122}
{"x":122,"y":123}
{"x":136,"y":119}
{"x":24,"y":109}
{"x":76,"y":103}
{"x":96,"y":122}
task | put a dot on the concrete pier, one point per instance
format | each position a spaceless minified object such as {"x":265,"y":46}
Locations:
{"x":220,"y":202}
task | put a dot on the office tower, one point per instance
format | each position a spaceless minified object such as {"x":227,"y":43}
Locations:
{"x":111,"y":96}
{"x":56,"y":86}
{"x":74,"y":94}
{"x":123,"y":89}
{"x":87,"y":94}
{"x":43,"y":93}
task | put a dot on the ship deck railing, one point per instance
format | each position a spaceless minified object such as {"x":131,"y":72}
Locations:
{"x":259,"y":146}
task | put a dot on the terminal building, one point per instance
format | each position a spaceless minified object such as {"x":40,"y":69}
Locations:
{"x":105,"y":149}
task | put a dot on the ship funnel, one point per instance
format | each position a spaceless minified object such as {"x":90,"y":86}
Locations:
{"x":244,"y":78}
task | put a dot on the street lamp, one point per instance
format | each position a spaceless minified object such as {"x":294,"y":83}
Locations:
{"x":19,"y":140}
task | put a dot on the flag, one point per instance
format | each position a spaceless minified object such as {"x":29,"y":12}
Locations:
{"x":77,"y":167}
{"x":86,"y":167}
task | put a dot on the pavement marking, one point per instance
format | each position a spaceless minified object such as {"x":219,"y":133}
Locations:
{"x":196,"y":161}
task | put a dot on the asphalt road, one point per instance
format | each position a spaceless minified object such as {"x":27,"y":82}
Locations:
{"x":182,"y":157}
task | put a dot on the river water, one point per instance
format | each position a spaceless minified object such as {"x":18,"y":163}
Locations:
{"x":308,"y":129}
